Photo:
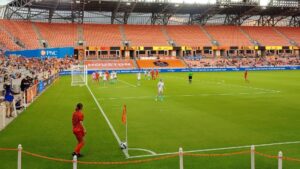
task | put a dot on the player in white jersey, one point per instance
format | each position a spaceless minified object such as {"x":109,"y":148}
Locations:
{"x":115,"y":76}
{"x":149,"y":75}
{"x":139,"y":78}
{"x":104,"y":77}
{"x":160,"y":88}
{"x":145,"y":74}
{"x":94,"y":76}
{"x":111,"y":77}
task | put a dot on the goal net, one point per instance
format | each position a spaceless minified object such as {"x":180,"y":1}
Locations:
{"x":79,"y":75}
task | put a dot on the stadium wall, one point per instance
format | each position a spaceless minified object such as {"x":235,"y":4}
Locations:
{"x":201,"y":70}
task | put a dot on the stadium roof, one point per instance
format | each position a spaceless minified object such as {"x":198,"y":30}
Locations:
{"x":233,"y":12}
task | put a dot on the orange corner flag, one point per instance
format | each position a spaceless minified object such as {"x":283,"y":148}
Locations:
{"x":124,"y":116}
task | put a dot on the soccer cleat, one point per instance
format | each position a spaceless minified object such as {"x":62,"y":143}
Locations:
{"x":73,"y":154}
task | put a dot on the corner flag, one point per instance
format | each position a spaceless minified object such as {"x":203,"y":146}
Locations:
{"x":124,"y":120}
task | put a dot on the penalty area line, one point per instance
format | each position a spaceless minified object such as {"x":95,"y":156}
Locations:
{"x":187,"y":95}
{"x":127,"y":83}
{"x":107,"y":120}
{"x":219,"y":149}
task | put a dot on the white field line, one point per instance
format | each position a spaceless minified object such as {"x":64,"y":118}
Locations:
{"x":141,"y":149}
{"x":187,"y":95}
{"x":127,"y":83}
{"x":219,"y":149}
{"x":231,"y":85}
{"x":107,"y":120}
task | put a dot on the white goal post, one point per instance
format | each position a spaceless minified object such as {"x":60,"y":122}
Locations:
{"x":79,"y":75}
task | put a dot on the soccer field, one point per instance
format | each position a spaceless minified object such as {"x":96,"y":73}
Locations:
{"x":218,"y":110}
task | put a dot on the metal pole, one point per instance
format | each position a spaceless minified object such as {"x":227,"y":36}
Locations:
{"x":280,"y":160}
{"x":252,"y":157}
{"x":180,"y":158}
{"x":75,"y":162}
{"x":20,"y":156}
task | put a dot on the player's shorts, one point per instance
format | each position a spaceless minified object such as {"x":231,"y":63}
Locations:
{"x":79,"y":133}
{"x":160,"y":90}
{"x":190,"y":77}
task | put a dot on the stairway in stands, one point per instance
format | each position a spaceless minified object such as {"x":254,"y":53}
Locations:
{"x":212,"y":40}
{"x":80,"y":33}
{"x":122,"y":31}
{"x":16,"y":40}
{"x":40,"y":37}
{"x":165,"y":32}
{"x":248,"y":36}
{"x":284,"y":36}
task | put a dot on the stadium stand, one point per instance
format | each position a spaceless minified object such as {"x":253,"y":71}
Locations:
{"x":58,"y":34}
{"x":265,"y":36}
{"x":292,"y":33}
{"x":6,"y":42}
{"x":16,"y":28}
{"x":145,"y":35}
{"x":188,"y":35}
{"x":171,"y":63}
{"x":102,"y":35}
{"x":245,"y":62}
{"x":109,"y":64}
{"x":228,"y":35}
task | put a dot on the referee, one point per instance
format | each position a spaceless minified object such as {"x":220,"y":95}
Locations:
{"x":190,"y":77}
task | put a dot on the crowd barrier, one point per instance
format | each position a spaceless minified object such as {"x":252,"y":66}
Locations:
{"x":181,"y":154}
{"x":166,"y":70}
{"x":32,"y":92}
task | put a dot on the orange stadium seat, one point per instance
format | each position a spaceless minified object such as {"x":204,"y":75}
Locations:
{"x":292,"y":33}
{"x":109,"y":64}
{"x":228,"y":35}
{"x":266,"y":36}
{"x":173,"y":63}
{"x":102,"y":35}
{"x":23,"y":31}
{"x":58,"y":34}
{"x":188,"y":35}
{"x":7,"y":42}
{"x":145,"y":35}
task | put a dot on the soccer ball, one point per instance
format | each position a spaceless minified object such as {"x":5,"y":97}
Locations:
{"x":123,"y":145}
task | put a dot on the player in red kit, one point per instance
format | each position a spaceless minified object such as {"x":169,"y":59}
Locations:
{"x":156,"y":74}
{"x":152,"y":75}
{"x":246,"y":76}
{"x":78,"y":129}
{"x":97,"y":77}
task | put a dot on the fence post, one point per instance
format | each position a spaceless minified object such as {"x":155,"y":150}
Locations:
{"x":75,"y":162}
{"x":180,"y":158}
{"x":24,"y":98}
{"x":3,"y":116}
{"x":252,"y":157}
{"x":20,"y":156}
{"x":280,"y":160}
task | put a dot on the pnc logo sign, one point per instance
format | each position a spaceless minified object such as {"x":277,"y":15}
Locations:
{"x":48,"y":53}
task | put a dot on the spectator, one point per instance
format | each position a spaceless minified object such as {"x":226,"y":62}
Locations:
{"x":8,"y":98}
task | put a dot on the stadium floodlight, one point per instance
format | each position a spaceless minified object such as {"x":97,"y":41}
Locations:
{"x":264,"y":2}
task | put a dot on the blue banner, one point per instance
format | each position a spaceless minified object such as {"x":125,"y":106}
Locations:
{"x":201,"y":70}
{"x":43,"y":53}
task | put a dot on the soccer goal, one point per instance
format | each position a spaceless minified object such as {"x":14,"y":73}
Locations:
{"x":79,"y":75}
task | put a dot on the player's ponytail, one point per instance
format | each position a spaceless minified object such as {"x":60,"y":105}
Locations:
{"x":79,"y":107}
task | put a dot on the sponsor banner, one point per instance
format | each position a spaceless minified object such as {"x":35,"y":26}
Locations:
{"x":109,"y":64}
{"x":200,"y":69}
{"x":31,"y":93}
{"x":41,"y":86}
{"x":43,"y":53}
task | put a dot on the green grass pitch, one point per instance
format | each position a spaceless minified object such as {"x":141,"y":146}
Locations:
{"x":217,"y":110}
